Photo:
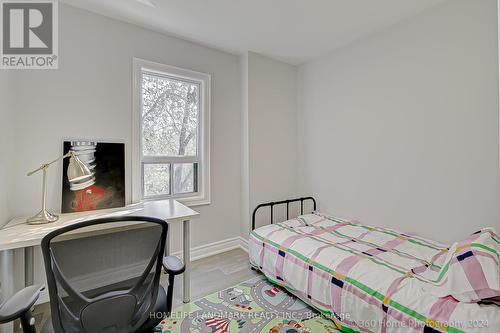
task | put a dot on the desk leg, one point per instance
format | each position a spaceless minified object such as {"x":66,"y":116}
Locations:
{"x":29,"y":266}
{"x":186,"y":249}
{"x":166,"y":253}
{"x":7,"y":282}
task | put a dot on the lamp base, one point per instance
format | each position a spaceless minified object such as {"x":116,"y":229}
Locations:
{"x":42,"y":217}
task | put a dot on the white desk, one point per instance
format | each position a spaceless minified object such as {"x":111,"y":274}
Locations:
{"x":16,"y":235}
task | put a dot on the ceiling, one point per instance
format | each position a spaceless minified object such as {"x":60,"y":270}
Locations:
{"x":294,"y":31}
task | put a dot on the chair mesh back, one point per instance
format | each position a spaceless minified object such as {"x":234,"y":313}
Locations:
{"x":104,"y":283}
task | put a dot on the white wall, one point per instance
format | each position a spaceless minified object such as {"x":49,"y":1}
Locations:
{"x":90,"y":96}
{"x":6,"y":139}
{"x":245,"y":154}
{"x":6,"y":114}
{"x":401,"y":129}
{"x":269,"y":131}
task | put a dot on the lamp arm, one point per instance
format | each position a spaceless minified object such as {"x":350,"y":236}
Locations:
{"x":45,"y":165}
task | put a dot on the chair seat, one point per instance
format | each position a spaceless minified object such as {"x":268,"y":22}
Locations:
{"x":160,"y":306}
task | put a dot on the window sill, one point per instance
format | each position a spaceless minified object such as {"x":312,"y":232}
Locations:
{"x":188,"y":201}
{"x":194,"y":201}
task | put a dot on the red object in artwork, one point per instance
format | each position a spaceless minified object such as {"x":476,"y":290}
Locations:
{"x":88,"y":198}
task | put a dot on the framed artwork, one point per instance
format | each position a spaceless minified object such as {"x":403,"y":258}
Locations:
{"x":106,"y":188}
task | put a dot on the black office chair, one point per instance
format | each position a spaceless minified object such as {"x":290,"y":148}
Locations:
{"x":132,"y":300}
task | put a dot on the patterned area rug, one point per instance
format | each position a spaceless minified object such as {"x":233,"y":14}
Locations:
{"x":254,"y":306}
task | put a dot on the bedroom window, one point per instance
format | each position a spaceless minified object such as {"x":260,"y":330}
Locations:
{"x":171,"y":133}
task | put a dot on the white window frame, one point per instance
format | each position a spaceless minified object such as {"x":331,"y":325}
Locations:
{"x":202,"y":196}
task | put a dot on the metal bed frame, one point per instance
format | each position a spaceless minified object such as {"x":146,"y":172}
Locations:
{"x":283,"y":202}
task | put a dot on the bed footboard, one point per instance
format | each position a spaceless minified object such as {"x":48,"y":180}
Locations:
{"x":283,"y":202}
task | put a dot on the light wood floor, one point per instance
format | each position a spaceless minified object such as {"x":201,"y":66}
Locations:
{"x":214,"y":273}
{"x":208,"y":275}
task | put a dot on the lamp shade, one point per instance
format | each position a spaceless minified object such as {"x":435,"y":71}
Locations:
{"x":77,"y":170}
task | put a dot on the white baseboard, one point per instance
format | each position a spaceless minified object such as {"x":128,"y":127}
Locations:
{"x":113,"y":275}
{"x":214,"y":248}
{"x":244,"y":244}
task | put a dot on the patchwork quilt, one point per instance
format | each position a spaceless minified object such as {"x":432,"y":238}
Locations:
{"x":372,"y":279}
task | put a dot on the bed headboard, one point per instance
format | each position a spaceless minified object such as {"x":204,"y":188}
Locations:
{"x":283,"y":202}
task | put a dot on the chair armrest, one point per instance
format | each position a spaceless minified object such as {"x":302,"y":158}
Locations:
{"x":19,"y":304}
{"x":173,"y":265}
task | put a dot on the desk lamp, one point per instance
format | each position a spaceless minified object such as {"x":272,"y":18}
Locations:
{"x":77,"y":171}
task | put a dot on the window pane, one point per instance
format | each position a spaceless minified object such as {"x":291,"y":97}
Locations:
{"x":170,"y":110}
{"x":156,"y":179}
{"x":185,"y":178}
